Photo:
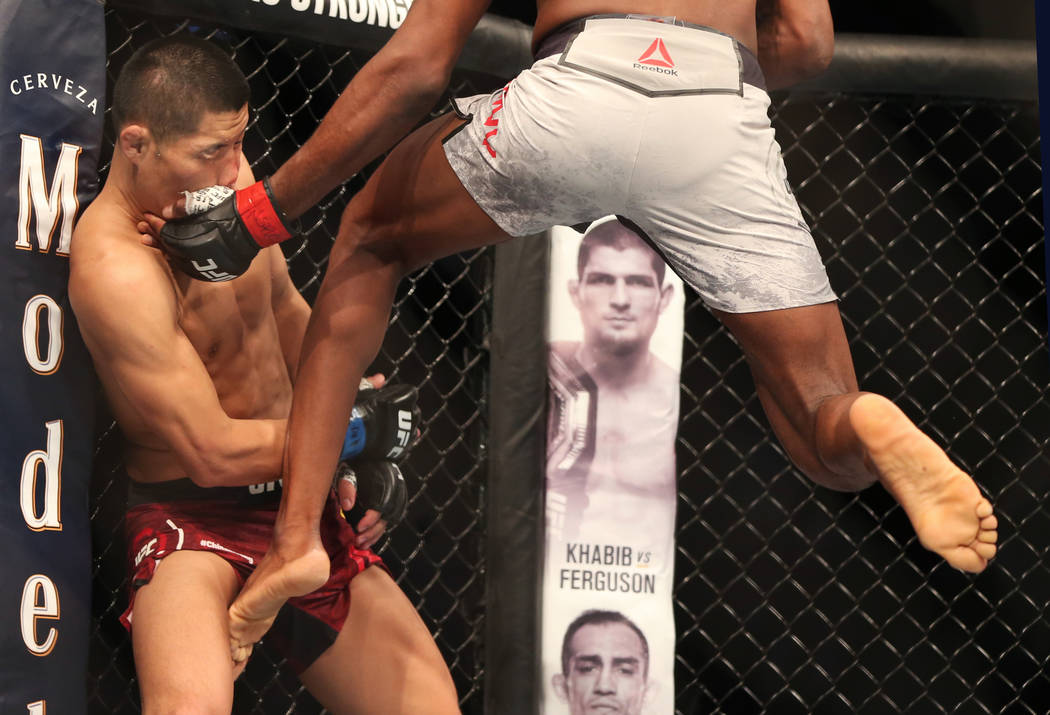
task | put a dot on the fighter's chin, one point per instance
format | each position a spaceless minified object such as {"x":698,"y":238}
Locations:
{"x":620,"y":345}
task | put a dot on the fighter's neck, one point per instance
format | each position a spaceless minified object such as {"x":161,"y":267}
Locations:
{"x":615,"y":369}
{"x":119,"y":189}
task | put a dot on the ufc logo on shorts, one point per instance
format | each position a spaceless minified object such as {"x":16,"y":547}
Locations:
{"x":404,"y":434}
{"x":145,"y":551}
{"x":207,"y":270}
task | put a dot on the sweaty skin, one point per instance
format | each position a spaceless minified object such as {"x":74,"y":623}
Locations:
{"x":413,"y":210}
{"x":193,"y":372}
{"x":199,"y":377}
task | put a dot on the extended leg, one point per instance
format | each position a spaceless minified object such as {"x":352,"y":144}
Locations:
{"x":412,"y":211}
{"x":845,"y":439}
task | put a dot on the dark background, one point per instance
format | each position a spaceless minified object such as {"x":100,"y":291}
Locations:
{"x":1013,"y":19}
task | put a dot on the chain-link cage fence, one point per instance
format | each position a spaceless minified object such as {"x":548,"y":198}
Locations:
{"x":792,"y":599}
{"x":436,"y":341}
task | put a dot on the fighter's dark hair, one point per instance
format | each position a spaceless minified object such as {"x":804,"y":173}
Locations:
{"x":168,"y":84}
{"x":615,"y":235}
{"x":597,"y":617}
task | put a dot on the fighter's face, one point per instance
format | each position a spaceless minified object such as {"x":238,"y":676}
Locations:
{"x":209,"y":156}
{"x":619,"y":299}
{"x":606,"y":672}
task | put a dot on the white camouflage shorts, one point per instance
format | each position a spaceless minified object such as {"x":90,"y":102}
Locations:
{"x":663,"y":124}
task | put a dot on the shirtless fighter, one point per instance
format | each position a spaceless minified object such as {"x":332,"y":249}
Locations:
{"x":654,"y":110}
{"x":620,"y":293}
{"x":199,"y":377}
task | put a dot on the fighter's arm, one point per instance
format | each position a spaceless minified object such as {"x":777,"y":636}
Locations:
{"x":150,"y":363}
{"x":796,"y":39}
{"x":383,"y":101}
{"x":290,"y":309}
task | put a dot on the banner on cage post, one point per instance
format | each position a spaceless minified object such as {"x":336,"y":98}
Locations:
{"x":1042,"y":23}
{"x":52,"y":100}
{"x":614,"y":348}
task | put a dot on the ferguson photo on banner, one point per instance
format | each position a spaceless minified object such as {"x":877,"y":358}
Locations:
{"x":615,"y":350}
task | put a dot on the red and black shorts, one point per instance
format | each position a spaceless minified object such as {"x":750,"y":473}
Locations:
{"x":236,"y":523}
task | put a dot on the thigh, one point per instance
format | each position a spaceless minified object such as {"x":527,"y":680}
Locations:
{"x":180,"y":635}
{"x":414,"y":208}
{"x":799,"y":358}
{"x":384,"y":661}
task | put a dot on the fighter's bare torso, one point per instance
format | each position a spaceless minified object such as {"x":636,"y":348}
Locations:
{"x":733,"y":17}
{"x":231,"y":326}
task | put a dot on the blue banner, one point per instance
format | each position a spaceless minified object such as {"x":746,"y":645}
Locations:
{"x":52,"y":101}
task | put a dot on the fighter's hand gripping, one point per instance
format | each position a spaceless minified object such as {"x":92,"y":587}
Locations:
{"x":223,"y":230}
{"x":378,"y":485}
{"x":384,"y":424}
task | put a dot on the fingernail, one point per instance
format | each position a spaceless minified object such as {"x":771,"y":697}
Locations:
{"x":347,"y":504}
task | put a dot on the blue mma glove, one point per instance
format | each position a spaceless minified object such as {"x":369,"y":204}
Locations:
{"x":384,"y":424}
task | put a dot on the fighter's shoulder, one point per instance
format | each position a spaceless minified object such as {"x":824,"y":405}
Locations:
{"x":563,"y":349}
{"x":663,"y":375}
{"x":109,"y":264}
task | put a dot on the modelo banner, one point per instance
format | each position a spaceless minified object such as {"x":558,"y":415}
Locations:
{"x":52,"y":100}
{"x":615,"y":350}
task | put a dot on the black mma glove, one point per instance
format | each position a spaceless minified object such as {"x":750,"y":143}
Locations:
{"x":384,"y":424}
{"x":224,"y":230}
{"x":379,"y":485}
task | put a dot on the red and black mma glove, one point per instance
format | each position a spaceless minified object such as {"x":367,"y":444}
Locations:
{"x":384,"y":426}
{"x":224,"y":230}
{"x":380,"y":486}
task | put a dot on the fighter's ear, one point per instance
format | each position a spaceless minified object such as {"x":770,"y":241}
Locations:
{"x":650,"y":691}
{"x":666,"y":293}
{"x":135,"y":141}
{"x":574,"y":291}
{"x":558,"y":681}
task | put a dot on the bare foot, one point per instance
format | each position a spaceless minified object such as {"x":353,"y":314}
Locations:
{"x":945,"y":506}
{"x":275,"y":580}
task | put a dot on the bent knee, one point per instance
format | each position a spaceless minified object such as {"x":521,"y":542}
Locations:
{"x":826,"y":476}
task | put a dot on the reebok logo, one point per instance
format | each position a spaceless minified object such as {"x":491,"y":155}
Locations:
{"x":657,"y":59}
{"x":656,"y":56}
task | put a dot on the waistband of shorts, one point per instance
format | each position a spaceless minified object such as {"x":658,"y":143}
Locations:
{"x":555,"y":41}
{"x":174,"y":490}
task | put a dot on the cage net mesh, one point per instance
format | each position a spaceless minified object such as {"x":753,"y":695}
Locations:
{"x":436,"y":341}
{"x":794,"y":599}
{"x":789,"y":599}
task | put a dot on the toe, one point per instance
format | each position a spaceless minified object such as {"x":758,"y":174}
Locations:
{"x":985,"y":551}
